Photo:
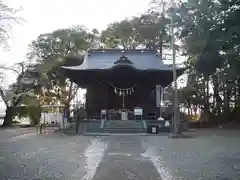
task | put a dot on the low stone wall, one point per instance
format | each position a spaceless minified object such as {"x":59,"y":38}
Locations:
{"x":155,"y":122}
{"x":160,"y":124}
{"x":89,"y":126}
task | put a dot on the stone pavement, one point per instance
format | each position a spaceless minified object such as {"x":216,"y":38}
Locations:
{"x":15,"y":133}
{"x":209,"y":156}
{"x":123,"y":160}
{"x":8,"y":134}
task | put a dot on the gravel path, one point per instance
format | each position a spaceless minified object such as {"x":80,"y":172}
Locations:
{"x":208,"y":155}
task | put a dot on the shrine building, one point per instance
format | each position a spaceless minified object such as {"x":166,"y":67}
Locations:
{"x":117,"y":82}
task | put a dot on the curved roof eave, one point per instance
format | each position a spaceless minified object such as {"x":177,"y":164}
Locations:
{"x":81,"y":68}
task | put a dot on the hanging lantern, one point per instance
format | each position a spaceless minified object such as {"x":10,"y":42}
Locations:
{"x":115,"y":90}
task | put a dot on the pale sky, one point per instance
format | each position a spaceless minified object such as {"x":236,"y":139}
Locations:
{"x":47,"y":15}
{"x":43,"y":16}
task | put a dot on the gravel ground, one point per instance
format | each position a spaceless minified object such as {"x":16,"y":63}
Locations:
{"x":208,"y":155}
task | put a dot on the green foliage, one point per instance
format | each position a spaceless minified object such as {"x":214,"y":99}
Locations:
{"x":210,"y":33}
{"x":58,"y":48}
{"x":31,"y":112}
{"x":34,"y":114}
{"x":208,"y":62}
{"x":63,"y":47}
{"x":148,"y":30}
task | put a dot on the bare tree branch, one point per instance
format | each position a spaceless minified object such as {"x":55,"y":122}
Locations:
{"x":8,"y":16}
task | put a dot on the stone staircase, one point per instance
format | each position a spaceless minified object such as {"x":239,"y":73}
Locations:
{"x":121,"y":126}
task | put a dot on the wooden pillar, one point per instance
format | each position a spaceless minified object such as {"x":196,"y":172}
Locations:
{"x":106,"y":99}
{"x":106,"y":96}
{"x":87,"y":102}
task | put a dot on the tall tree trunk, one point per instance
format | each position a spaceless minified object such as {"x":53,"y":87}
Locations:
{"x":8,"y":119}
{"x":195,"y":110}
{"x":191,"y":110}
{"x":235,"y":95}
{"x":226,"y":102}
{"x":67,"y":110}
{"x":205,"y":109}
{"x":188,"y":108}
{"x":161,"y":47}
{"x":216,"y":94}
{"x":238,"y":91}
{"x":206,"y":94}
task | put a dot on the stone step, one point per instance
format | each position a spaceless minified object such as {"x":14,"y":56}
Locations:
{"x":119,"y":126}
{"x":123,"y":122}
{"x":124,"y":126}
{"x":126,"y":130}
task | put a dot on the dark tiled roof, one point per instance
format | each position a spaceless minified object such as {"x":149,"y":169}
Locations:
{"x":105,"y":59}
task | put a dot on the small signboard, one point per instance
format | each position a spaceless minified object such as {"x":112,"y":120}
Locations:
{"x":103,"y":111}
{"x":154,"y":130}
{"x":138,"y":111}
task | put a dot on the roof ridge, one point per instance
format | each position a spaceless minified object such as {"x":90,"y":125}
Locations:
{"x":122,"y":50}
